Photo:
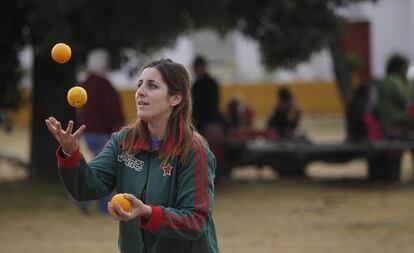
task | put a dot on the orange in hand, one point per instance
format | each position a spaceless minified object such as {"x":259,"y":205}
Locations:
{"x":122,"y":201}
{"x":77,"y":97}
{"x":61,"y":53}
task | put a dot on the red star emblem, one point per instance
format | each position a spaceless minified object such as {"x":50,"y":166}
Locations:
{"x":167,"y":170}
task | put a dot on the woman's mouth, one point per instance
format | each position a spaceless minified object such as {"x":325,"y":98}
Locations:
{"x":141,"y":103}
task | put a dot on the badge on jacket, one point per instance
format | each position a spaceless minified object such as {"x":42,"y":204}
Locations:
{"x":167,"y":170}
{"x":130,"y":161}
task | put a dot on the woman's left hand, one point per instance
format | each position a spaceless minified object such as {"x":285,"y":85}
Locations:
{"x":138,"y":208}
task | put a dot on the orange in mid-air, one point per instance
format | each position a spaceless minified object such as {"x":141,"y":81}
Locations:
{"x":122,"y":201}
{"x":77,"y":97}
{"x":61,"y":53}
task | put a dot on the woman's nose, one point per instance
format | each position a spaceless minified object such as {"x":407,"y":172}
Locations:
{"x":141,"y":90}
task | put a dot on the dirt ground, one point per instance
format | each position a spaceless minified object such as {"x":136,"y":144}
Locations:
{"x":334,"y":209}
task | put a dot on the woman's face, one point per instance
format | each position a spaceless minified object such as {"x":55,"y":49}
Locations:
{"x":152,"y":99}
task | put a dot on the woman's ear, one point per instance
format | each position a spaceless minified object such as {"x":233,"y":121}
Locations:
{"x":175,"y":99}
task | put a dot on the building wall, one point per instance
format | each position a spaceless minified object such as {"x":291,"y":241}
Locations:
{"x":315,"y":98}
{"x":312,"y":97}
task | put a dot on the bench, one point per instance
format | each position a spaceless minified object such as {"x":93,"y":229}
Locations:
{"x":290,"y":157}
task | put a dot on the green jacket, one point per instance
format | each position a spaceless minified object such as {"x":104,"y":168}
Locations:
{"x":394,"y":96}
{"x":181,"y":197}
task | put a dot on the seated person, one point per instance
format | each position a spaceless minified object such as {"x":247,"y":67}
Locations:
{"x":247,"y":116}
{"x":234,"y":113}
{"x":286,"y":115}
{"x":362,"y":122}
{"x":394,"y":94}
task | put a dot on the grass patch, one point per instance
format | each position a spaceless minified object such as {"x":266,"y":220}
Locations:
{"x":28,"y":195}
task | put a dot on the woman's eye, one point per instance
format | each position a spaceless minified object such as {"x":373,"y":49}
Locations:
{"x":139,"y":84}
{"x":152,"y":86}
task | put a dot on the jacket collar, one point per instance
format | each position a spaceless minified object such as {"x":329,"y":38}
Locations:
{"x":144,"y":144}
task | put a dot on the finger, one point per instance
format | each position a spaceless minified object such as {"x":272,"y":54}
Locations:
{"x":129,"y":196}
{"x":60,"y":134}
{"x":120,"y":211}
{"x":133,"y":199}
{"x":70,"y":127}
{"x":111,"y":211}
{"x":53,"y":120}
{"x":79,"y":131}
{"x":58,"y":127}
{"x":50,"y":126}
{"x":52,"y":129}
{"x":122,"y":214}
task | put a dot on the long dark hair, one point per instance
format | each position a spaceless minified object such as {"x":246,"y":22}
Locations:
{"x":179,"y":129}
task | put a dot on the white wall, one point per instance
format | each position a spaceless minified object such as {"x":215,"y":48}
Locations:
{"x":251,"y":70}
{"x":391,"y":29}
{"x":247,"y":59}
{"x":391,"y":32}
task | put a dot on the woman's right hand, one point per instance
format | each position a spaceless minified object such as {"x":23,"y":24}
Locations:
{"x":68,"y":141}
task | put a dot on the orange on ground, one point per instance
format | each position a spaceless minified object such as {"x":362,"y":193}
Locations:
{"x":77,"y":97}
{"x":122,"y":201}
{"x":61,"y":53}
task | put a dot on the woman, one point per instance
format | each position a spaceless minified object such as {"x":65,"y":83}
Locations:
{"x":163,"y":166}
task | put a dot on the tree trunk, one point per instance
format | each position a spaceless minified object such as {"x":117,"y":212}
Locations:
{"x":51,"y":82}
{"x":341,"y":69}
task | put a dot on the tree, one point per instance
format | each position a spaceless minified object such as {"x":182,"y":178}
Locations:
{"x":144,"y":26}
{"x":12,"y":21}
{"x":288,"y":32}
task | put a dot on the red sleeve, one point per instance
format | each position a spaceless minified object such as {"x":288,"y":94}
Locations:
{"x":68,"y":162}
{"x":153,"y":223}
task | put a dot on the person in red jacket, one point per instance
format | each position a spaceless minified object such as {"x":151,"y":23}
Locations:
{"x":102,"y":113}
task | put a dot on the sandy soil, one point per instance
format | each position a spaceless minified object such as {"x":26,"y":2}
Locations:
{"x":333,"y":210}
{"x":267,"y":216}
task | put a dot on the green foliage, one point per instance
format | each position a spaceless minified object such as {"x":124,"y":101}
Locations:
{"x":144,"y":26}
{"x":288,"y":32}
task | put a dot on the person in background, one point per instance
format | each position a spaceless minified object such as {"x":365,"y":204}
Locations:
{"x":234,"y":107}
{"x":286,"y":115}
{"x":239,"y":114}
{"x":362,"y":120}
{"x":161,"y":164}
{"x":102,"y":113}
{"x":247,"y":115}
{"x":206,"y":115}
{"x":205,"y":92}
{"x":394,"y":95}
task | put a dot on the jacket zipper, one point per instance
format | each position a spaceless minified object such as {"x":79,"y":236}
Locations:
{"x":143,"y":196}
